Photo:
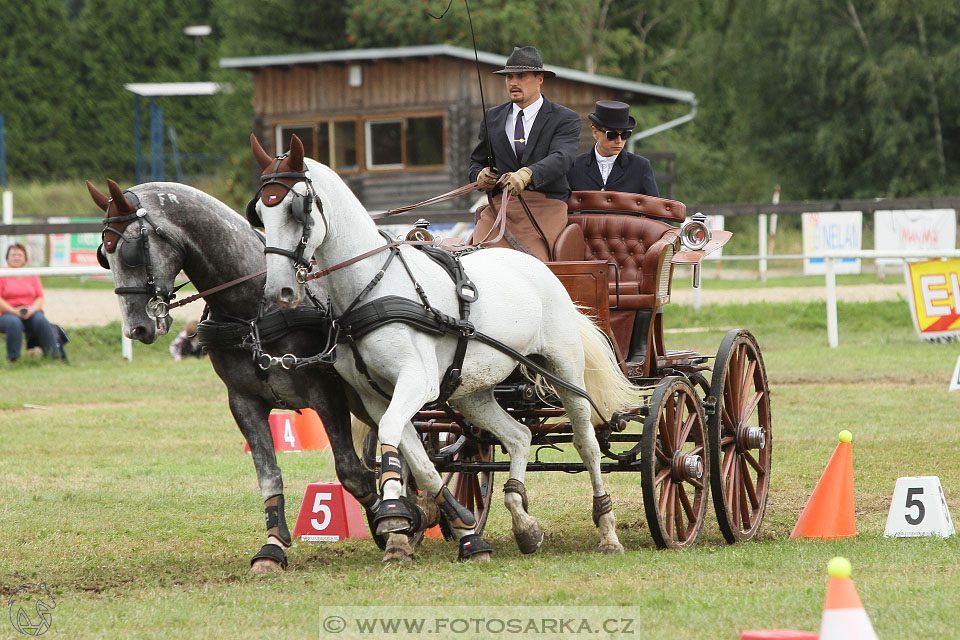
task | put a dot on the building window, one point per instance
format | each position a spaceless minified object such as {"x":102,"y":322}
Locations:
{"x":396,"y":142}
{"x":332,"y":142}
{"x":399,"y":143}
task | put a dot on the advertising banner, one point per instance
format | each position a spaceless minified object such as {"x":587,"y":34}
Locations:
{"x":914,"y":230}
{"x":73,"y":249}
{"x":822,"y":232}
{"x":934,"y":295}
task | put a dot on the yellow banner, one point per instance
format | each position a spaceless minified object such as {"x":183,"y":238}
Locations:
{"x":934,"y":295}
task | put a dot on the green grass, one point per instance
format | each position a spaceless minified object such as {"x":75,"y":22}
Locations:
{"x":129,"y":495}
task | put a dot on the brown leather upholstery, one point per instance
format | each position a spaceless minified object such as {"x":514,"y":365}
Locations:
{"x":628,"y":203}
{"x":635,"y":244}
{"x":632,"y":243}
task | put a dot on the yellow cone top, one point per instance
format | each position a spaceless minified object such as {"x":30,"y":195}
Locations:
{"x":846,"y":436}
{"x":839,"y":567}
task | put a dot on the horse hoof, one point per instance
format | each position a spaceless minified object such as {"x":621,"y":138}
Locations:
{"x":482,"y":558}
{"x":261,"y":566}
{"x":398,"y":549}
{"x":430,"y":509}
{"x":529,"y":539}
{"x":607,"y":547}
{"x":392,"y":525}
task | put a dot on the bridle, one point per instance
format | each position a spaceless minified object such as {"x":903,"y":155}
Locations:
{"x":301,"y":208}
{"x":136,"y":253}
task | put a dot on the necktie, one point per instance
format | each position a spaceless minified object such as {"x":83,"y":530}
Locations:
{"x":519,"y":142}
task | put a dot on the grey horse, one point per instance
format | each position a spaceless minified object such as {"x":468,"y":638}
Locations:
{"x":155,"y":230}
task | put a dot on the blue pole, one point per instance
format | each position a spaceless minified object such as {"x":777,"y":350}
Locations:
{"x":156,"y":141}
{"x":136,"y":136}
{"x":3,"y":152}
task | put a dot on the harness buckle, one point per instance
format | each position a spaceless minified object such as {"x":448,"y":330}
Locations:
{"x":264,"y":361}
{"x":302,"y":274}
{"x":287,"y":361}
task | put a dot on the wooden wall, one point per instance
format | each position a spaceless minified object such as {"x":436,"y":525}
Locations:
{"x":312,"y":92}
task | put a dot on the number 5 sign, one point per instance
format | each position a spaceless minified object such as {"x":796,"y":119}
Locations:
{"x":328,"y":514}
{"x":918,"y":508}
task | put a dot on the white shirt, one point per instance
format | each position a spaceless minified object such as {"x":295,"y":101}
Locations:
{"x":605,"y":164}
{"x":529,"y":115}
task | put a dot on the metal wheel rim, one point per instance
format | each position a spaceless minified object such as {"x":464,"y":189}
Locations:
{"x":740,"y":478}
{"x":675,"y":509}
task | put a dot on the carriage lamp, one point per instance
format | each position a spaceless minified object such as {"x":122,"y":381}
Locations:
{"x":694,"y":233}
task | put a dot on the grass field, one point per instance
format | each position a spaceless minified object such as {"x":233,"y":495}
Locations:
{"x":128,"y":494}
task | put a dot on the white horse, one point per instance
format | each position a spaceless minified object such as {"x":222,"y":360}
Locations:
{"x":307,"y":210}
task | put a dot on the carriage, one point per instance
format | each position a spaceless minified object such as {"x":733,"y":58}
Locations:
{"x":703,"y":423}
{"x":688,"y":423}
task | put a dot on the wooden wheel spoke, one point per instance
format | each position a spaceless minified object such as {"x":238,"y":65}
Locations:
{"x":698,"y":483}
{"x":750,"y":487}
{"x":751,"y":407}
{"x":687,"y":428}
{"x":745,"y":386}
{"x":753,"y":462}
{"x":665,"y":490}
{"x":742,"y":496}
{"x":663,"y":430}
{"x":663,"y":458}
{"x":663,"y":475}
{"x":687,"y":507}
{"x":680,"y":529}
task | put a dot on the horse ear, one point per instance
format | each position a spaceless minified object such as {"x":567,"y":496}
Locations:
{"x":101,"y":200}
{"x":258,"y":153}
{"x":296,"y":153}
{"x":116,"y":193}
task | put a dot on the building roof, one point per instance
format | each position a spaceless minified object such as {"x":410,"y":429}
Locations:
{"x":386,"y":53}
{"x":156,"y":89}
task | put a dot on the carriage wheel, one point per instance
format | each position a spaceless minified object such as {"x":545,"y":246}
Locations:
{"x":673,"y":464}
{"x":740,"y":437}
{"x":473,"y":490}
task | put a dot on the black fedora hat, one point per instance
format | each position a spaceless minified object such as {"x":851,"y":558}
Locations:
{"x":525,"y":59}
{"x":612,"y":115}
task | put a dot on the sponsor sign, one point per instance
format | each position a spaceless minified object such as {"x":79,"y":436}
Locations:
{"x":822,"y":232}
{"x":73,"y":249}
{"x":934,"y":296}
{"x":914,"y":230}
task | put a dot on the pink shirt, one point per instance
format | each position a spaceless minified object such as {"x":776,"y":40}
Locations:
{"x":20,"y":291}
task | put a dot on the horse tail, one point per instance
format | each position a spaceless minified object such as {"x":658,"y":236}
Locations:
{"x":359,"y":430}
{"x":605,"y":383}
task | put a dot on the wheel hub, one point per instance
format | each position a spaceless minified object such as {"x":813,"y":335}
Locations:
{"x":687,"y":466}
{"x":750,"y":437}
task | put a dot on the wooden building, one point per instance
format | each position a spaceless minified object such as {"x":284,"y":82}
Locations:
{"x":399,"y":124}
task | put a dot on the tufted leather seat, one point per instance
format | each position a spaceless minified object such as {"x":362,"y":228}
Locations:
{"x":635,"y":243}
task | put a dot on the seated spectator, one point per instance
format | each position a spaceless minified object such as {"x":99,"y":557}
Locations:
{"x":186,"y":343}
{"x":21,"y":310}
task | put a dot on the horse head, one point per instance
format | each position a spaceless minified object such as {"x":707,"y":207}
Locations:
{"x":144,"y":264}
{"x":291,"y":214}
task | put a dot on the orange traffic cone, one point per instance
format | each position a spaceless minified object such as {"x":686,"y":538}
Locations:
{"x":843,"y":615}
{"x":829,"y":511}
{"x":310,"y":429}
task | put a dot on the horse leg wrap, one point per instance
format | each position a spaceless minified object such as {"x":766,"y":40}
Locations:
{"x":401,"y":508}
{"x":370,"y":504}
{"x":271,"y":552}
{"x":601,"y":505}
{"x":471,"y":545}
{"x":391,"y":465}
{"x":515,"y":486}
{"x":455,"y":513}
{"x":276,"y":519}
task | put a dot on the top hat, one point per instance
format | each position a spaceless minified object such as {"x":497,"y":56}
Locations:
{"x":525,"y":59}
{"x":612,"y":115}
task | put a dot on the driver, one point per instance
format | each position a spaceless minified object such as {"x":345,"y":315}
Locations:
{"x":533,"y":142}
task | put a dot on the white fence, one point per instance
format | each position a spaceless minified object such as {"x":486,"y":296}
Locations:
{"x":830,"y":278}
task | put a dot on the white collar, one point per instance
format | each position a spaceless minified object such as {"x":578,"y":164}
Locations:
{"x":530,"y":111}
{"x":604,"y":160}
